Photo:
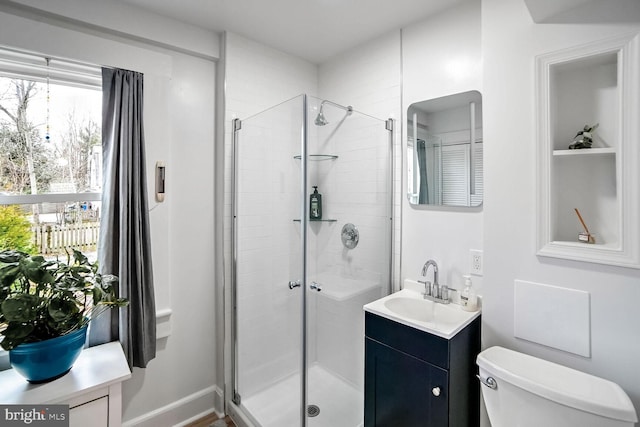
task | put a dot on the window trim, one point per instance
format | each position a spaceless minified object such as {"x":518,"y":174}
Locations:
{"x":32,"y":199}
{"x":20,"y":64}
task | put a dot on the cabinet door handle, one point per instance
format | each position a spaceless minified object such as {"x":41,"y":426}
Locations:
{"x":435,"y":391}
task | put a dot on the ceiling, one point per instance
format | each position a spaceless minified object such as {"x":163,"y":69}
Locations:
{"x":317,"y":30}
{"x":314,"y":30}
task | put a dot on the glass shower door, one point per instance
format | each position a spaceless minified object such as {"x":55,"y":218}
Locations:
{"x":348,"y":254}
{"x":268,"y":265}
{"x":300,"y":280}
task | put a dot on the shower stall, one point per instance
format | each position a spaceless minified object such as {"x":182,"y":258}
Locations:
{"x":300,"y":278}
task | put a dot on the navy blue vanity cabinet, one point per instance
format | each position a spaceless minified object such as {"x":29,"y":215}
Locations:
{"x":416,"y":379}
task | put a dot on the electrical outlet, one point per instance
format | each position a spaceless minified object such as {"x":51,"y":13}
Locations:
{"x":476,"y":262}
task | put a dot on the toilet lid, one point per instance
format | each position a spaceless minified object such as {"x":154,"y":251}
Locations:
{"x":558,"y":383}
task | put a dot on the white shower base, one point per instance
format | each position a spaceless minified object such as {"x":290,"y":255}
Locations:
{"x":340,"y":403}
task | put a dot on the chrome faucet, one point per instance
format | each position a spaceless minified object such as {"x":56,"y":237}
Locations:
{"x":428,"y":286}
{"x":434,"y":291}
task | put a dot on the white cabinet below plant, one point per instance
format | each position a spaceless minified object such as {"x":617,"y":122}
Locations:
{"x":597,"y":189}
{"x":92,"y":389}
{"x":94,"y":413}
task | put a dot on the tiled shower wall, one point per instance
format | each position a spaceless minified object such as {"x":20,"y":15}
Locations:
{"x":368,"y":78}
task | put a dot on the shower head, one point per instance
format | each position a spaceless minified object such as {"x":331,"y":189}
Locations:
{"x":321,"y":120}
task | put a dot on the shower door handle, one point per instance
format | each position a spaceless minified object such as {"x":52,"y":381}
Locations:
{"x":294,"y":284}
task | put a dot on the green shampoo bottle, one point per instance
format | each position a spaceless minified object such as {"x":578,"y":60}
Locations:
{"x":315,"y":204}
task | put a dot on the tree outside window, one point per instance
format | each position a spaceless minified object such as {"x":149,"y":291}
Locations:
{"x":50,"y":166}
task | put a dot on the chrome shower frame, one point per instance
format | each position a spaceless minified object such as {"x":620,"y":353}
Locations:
{"x":304,"y":208}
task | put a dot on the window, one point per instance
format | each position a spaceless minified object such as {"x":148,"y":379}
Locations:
{"x":50,"y":153}
{"x":50,"y":156}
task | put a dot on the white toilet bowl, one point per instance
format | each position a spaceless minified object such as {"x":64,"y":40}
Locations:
{"x":523,"y":391}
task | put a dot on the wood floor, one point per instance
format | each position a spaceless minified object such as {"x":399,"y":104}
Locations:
{"x":206,"y":421}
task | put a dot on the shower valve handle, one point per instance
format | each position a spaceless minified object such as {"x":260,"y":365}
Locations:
{"x":294,"y":284}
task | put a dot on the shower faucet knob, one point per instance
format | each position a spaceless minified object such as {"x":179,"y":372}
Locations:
{"x":294,"y":284}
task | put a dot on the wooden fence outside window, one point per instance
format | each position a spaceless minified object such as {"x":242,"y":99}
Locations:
{"x":54,"y":238}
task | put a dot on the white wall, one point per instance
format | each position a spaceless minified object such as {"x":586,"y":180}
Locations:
{"x":441,"y":56}
{"x":179,"y":108}
{"x":510,"y":42}
{"x":120,"y":19}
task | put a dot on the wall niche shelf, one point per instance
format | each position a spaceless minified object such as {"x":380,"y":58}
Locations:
{"x":585,"y":85}
{"x":586,"y":152}
{"x":318,"y":157}
{"x":318,"y":220}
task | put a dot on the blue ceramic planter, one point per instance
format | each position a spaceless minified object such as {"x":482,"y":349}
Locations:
{"x":44,"y":361}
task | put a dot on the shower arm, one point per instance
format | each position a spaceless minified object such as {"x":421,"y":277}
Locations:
{"x":348,"y":108}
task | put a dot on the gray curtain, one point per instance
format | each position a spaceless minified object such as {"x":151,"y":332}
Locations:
{"x":421,"y":150}
{"x":125,"y":242}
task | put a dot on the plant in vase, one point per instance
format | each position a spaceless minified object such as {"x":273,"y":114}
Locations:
{"x":45,"y":308}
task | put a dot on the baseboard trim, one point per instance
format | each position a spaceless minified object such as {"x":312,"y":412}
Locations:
{"x":218,"y":403}
{"x":196,"y":418}
{"x":180,"y":412}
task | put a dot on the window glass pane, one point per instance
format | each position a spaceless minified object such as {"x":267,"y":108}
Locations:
{"x":50,"y":143}
{"x":61,"y":227}
{"x":50,"y":138}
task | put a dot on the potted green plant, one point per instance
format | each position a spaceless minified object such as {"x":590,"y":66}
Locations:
{"x":45,"y":308}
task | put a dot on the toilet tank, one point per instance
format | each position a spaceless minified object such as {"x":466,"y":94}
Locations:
{"x":531,"y":392}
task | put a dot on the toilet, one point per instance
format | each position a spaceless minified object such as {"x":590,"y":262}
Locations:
{"x":523,"y":391}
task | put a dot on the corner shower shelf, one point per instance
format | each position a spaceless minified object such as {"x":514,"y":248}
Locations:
{"x":318,"y":220}
{"x":318,"y":157}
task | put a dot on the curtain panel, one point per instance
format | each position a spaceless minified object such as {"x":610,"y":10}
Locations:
{"x":125,"y":241}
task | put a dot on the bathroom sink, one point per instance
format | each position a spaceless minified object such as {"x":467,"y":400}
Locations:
{"x":410,"y":308}
{"x":423,"y":310}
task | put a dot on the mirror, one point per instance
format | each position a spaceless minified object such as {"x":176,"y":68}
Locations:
{"x":444,"y":151}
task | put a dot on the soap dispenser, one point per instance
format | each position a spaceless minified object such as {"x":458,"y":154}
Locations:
{"x":468,"y":298}
{"x":315,"y":204}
